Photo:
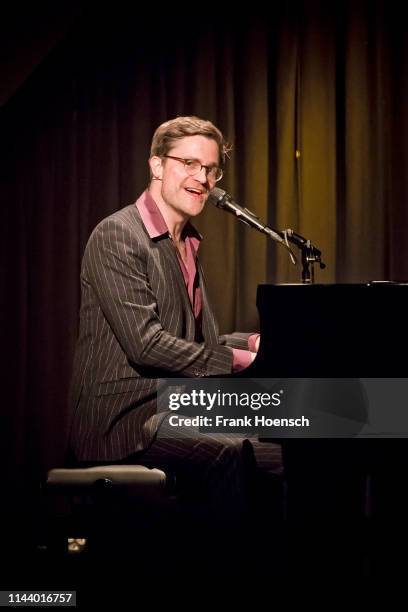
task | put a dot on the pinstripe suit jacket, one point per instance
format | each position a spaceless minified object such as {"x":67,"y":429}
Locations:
{"x":136,"y":325}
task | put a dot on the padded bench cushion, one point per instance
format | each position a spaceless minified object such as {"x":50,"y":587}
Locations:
{"x":137,"y":478}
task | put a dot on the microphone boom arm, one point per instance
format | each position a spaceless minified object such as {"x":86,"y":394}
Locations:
{"x":222,"y":199}
{"x":310,"y":254}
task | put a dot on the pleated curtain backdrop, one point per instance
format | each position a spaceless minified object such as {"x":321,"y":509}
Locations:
{"x":312,"y":96}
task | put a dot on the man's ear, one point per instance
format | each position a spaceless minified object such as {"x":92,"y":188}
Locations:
{"x":156,"y":167}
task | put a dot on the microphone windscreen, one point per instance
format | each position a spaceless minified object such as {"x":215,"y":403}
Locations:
{"x":217,"y":196}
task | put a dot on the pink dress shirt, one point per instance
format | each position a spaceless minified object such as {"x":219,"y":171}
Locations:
{"x":156,"y":226}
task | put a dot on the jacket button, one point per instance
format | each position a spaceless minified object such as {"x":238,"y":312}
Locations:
{"x":199,"y":372}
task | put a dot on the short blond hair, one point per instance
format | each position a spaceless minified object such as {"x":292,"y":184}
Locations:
{"x":169,"y":132}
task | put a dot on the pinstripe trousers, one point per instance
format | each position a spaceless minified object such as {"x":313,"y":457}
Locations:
{"x":214,"y":473}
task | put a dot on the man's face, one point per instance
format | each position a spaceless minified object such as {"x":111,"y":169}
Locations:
{"x":184,"y":194}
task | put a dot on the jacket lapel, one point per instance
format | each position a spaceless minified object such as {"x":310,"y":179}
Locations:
{"x":209,"y":323}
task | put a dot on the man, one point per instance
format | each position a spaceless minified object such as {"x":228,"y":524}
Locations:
{"x":145,"y":314}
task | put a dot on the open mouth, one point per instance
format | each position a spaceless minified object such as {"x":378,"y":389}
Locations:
{"x":195,"y":192}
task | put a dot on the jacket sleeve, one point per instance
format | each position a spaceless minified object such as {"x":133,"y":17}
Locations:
{"x":237,"y":340}
{"x":115,"y":266}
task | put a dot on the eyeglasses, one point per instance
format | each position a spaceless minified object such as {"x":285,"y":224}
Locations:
{"x":193,"y":166}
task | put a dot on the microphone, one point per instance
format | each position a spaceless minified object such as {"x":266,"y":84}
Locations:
{"x":220,"y":198}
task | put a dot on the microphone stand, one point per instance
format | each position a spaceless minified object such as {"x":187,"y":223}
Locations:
{"x":310,"y":254}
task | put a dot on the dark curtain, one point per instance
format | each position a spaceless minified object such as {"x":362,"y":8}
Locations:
{"x":312,"y":96}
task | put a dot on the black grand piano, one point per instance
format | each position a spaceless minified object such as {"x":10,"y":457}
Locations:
{"x":334,"y":331}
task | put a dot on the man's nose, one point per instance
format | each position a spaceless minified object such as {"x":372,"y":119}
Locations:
{"x":202,"y":175}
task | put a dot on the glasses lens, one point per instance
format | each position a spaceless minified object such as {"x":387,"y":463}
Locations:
{"x":215,"y":173}
{"x":218,"y":172}
{"x":192,"y":166}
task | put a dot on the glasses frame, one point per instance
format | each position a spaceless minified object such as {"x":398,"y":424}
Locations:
{"x":208,"y":169}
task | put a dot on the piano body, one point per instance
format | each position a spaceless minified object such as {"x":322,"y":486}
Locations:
{"x":337,"y":331}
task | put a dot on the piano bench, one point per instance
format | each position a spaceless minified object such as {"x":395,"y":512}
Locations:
{"x":88,"y":503}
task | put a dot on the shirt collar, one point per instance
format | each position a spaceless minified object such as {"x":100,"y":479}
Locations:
{"x":155,"y":224}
